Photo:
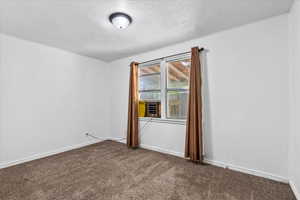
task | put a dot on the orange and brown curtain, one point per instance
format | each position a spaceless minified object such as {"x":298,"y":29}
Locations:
{"x":132,"y":125}
{"x":193,"y":141}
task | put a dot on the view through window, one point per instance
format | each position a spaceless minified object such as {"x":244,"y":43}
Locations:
{"x":165,"y":84}
{"x":149,"y":83}
{"x":177,"y":88}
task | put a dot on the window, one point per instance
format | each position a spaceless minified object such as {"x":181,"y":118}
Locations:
{"x":165,"y":82}
{"x":177,"y":88}
{"x":149,"y":82}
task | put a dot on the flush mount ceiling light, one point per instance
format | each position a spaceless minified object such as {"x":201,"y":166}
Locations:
{"x":120,"y":20}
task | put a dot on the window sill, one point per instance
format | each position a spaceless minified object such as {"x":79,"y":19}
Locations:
{"x":160,"y":120}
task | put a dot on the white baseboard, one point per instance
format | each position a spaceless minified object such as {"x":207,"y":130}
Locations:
{"x":247,"y":170}
{"x":46,"y":154}
{"x":159,"y":149}
{"x":294,"y":188}
{"x":153,"y":148}
{"x":220,"y":164}
{"x":121,"y":140}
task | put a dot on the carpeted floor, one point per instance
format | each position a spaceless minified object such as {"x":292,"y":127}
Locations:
{"x":110,"y":171}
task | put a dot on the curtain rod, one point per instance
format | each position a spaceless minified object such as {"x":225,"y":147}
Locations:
{"x":201,"y":49}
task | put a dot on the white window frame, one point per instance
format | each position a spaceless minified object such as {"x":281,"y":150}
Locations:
{"x":163,"y":89}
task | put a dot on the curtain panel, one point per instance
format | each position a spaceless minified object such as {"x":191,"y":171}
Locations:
{"x":132,"y":124}
{"x":193,"y":141}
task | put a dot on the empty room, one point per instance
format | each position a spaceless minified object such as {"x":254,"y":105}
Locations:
{"x":149,"y":100}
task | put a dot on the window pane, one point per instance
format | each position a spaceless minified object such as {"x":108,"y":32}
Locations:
{"x":150,"y":96}
{"x":177,"y":104}
{"x":149,"y":69}
{"x":151,"y":82}
{"x":178,"y":74}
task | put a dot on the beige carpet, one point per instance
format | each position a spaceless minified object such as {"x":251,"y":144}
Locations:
{"x":110,"y":171}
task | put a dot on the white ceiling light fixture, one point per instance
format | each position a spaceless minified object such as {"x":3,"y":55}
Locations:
{"x":120,"y":20}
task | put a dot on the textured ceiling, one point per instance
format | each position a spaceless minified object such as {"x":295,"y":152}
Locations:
{"x":82,"y":26}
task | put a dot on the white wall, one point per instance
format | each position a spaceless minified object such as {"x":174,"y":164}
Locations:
{"x":294,"y":154}
{"x":247,"y":89}
{"x":49,"y":98}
